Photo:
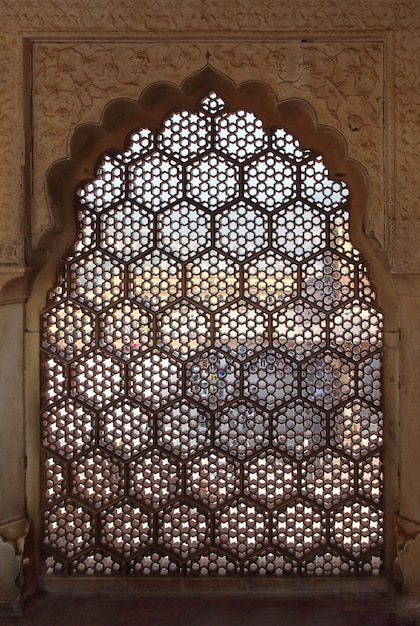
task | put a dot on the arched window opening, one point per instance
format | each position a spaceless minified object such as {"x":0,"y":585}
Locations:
{"x":211,"y":363}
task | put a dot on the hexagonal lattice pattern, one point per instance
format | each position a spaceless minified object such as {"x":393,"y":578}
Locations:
{"x":242,"y":429}
{"x":287,"y":145}
{"x":299,"y":429}
{"x":155,"y":280}
{"x":357,"y":528}
{"x":154,"y":479}
{"x":211,"y":363}
{"x":240,"y":135}
{"x":183,"y":329}
{"x":185,"y":135}
{"x":319,"y":188}
{"x":153,"y":563}
{"x":154,"y":380}
{"x":369,"y":380}
{"x":155,"y":181}
{"x":183,"y":429}
{"x":270,"y":280}
{"x":327,"y":380}
{"x":299,"y":230}
{"x":299,"y":528}
{"x":270,"y":479}
{"x":269,"y":563}
{"x":54,"y":479}
{"x":270,"y":181}
{"x":356,"y":330}
{"x":183,"y":530}
{"x":126,"y":230}
{"x":96,"y":479}
{"x":212,"y":280}
{"x":213,"y":103}
{"x":96,"y":379}
{"x":212,"y":563}
{"x":329,"y":563}
{"x":371,"y":478}
{"x":125,"y":429}
{"x":183,"y":230}
{"x":107,"y":188}
{"x":357,"y":428}
{"x":328,"y":478}
{"x":340,"y":234}
{"x":99,"y":563}
{"x":67,"y":428}
{"x":270,"y":379}
{"x":53,"y":380}
{"x":213,"y":379}
{"x":71,"y":330}
{"x":212,"y":180}
{"x":69,"y":528}
{"x":300,"y":329}
{"x":328,"y":281}
{"x":212,"y":479}
{"x":86,"y":235}
{"x":96,"y":280}
{"x":139,"y":143}
{"x":241,"y":231}
{"x":126,"y":528}
{"x":125,"y":329}
{"x":241,"y":529}
{"x":241,"y":330}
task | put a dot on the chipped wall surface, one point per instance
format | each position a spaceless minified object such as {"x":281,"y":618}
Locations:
{"x":355,"y":62}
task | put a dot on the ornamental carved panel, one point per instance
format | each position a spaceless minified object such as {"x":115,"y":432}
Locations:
{"x":12,"y":139}
{"x":405,"y":213}
{"x":75,"y":16}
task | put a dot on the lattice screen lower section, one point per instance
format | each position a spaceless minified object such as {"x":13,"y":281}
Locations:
{"x":211,"y":364}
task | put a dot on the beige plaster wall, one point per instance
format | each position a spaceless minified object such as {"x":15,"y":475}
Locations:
{"x":13,"y":526}
{"x":355,"y":62}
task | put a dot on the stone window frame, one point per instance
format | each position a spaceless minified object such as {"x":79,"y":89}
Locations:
{"x":89,"y":141}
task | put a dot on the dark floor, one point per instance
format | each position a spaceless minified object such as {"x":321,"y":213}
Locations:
{"x":284,"y":609}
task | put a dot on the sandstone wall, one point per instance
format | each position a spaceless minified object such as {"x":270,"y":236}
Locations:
{"x":355,"y":62}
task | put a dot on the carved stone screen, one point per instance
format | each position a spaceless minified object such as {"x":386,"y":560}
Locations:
{"x":211,"y":364}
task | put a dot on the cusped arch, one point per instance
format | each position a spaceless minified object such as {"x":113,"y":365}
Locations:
{"x":121,"y":117}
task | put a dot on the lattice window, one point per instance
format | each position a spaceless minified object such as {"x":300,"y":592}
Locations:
{"x":211,"y":364}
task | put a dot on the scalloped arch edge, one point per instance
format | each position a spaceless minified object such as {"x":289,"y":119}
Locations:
{"x":122,"y":116}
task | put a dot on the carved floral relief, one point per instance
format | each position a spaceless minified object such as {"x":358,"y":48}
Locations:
{"x":406,"y":210}
{"x":199,"y":16}
{"x":11,"y":133}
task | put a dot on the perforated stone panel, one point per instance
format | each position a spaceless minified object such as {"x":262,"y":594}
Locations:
{"x":211,"y":364}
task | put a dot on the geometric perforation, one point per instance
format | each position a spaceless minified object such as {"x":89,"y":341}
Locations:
{"x":211,"y":359}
